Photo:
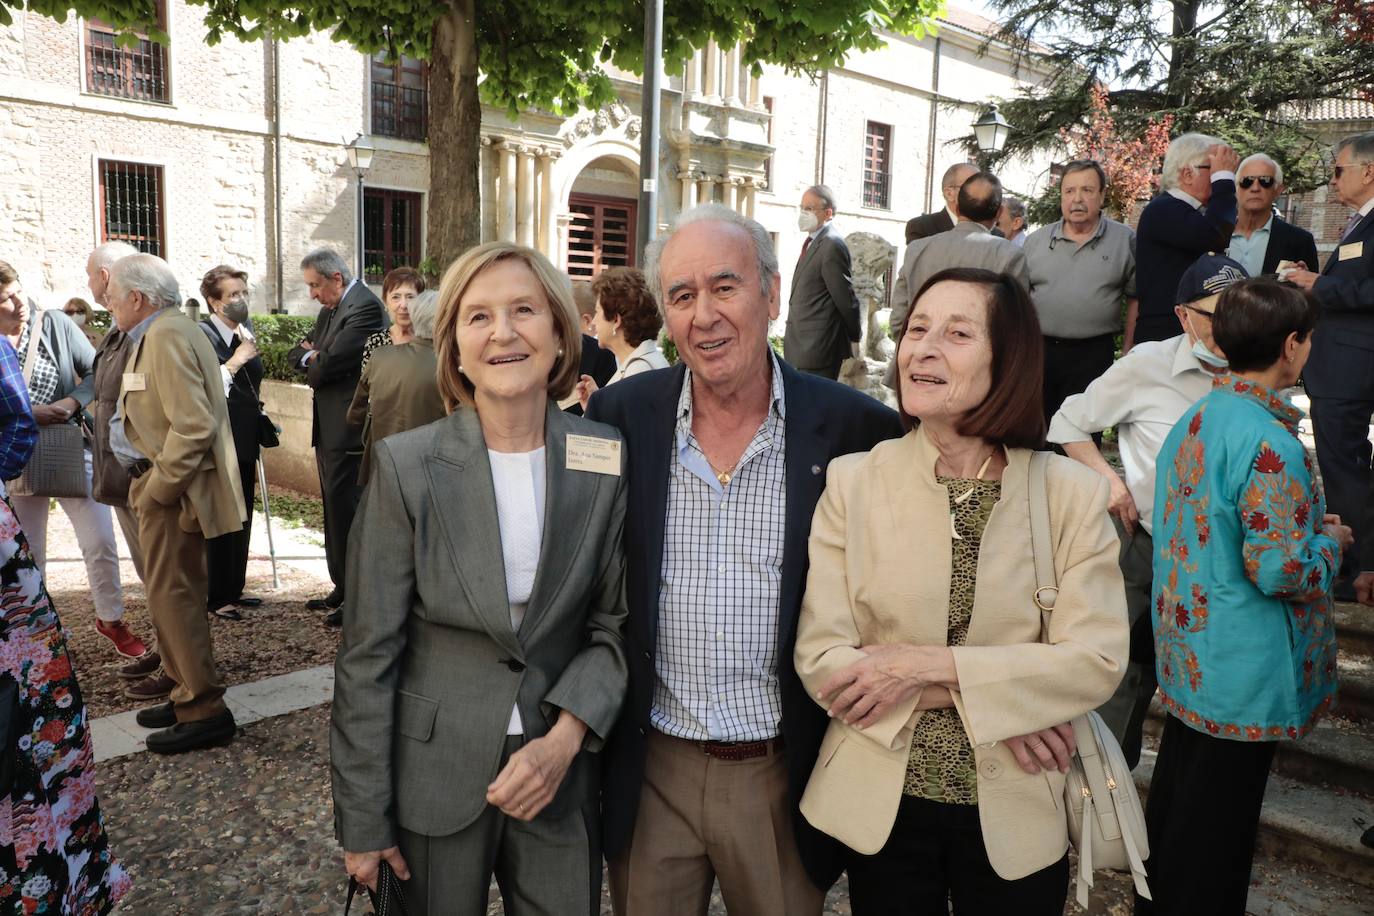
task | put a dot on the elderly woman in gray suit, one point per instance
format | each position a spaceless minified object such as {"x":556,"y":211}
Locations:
{"x":482,"y":663}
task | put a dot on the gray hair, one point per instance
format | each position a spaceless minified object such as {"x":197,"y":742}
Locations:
{"x":424,"y":309}
{"x":826,"y":195}
{"x":1361,"y":147}
{"x":713,"y":213}
{"x":150,"y":275}
{"x":1016,"y":207}
{"x":326,"y":262}
{"x":1263,"y":159}
{"x":1184,"y":152}
{"x":105,"y":255}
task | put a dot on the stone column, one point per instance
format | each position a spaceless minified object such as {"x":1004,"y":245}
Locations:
{"x":548,"y":205}
{"x":733,"y":199}
{"x":524,"y":213}
{"x":755,"y":91}
{"x":732,"y":77}
{"x":691,"y":75}
{"x":689,"y":190}
{"x":562,"y":221}
{"x":711,"y":86}
{"x":705,"y":190}
{"x":490,"y":166}
{"x":750,"y":189}
{"x":506,"y":223}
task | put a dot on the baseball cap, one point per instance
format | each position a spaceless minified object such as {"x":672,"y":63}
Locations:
{"x":1202,"y":283}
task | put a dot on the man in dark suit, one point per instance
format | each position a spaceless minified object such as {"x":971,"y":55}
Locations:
{"x":597,"y":361}
{"x":920,"y":227}
{"x":331,"y":360}
{"x":728,"y":452}
{"x":1262,"y":239}
{"x":1340,"y":372}
{"x":822,"y":312}
{"x":1192,"y":216}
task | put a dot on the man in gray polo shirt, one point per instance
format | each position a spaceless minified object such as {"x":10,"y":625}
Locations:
{"x":1082,"y":268}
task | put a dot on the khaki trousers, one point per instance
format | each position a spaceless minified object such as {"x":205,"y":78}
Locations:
{"x":128,"y":524}
{"x":701,"y":819}
{"x":175,"y":582}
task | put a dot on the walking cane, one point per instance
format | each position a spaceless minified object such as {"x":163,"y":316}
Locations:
{"x":267,"y":513}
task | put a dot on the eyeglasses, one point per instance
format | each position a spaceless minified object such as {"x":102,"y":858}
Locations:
{"x":1265,"y":181}
{"x":1204,"y":314}
{"x":1203,"y":165}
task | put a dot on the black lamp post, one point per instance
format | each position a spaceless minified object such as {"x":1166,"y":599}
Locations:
{"x":990,"y":131}
{"x":360,"y":160}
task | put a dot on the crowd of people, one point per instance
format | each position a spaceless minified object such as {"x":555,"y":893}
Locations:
{"x":728,"y":621}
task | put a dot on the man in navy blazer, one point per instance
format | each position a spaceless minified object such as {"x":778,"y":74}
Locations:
{"x":1193,"y":215}
{"x":1340,"y":372}
{"x":727,"y":459}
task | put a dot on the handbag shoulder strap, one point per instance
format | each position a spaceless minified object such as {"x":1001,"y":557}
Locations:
{"x":1046,"y":583}
{"x":31,"y":353}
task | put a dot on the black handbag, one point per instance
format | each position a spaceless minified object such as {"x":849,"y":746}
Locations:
{"x":269,"y":433}
{"x":387,"y":900}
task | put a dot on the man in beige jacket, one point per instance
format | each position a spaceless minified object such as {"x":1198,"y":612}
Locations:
{"x":171,"y":431}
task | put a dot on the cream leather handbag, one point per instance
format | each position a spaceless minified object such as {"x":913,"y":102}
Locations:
{"x":1106,"y":822}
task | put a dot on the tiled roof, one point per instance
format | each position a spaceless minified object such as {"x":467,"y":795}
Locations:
{"x":1338,"y":110}
{"x":978,"y":24}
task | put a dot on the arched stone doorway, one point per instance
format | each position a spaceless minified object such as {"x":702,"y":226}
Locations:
{"x":601,"y":202}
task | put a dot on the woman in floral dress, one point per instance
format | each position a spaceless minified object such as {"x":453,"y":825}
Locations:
{"x":54,"y":854}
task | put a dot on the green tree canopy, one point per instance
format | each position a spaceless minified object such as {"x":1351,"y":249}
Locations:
{"x":1243,"y":69}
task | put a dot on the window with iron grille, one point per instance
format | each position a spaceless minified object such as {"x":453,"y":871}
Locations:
{"x":400,"y":98}
{"x":391,"y":232}
{"x":132,"y":204}
{"x":138,"y":71}
{"x":877,"y":164}
{"x":601,"y":234}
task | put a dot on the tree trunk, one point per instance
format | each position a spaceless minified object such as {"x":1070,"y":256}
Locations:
{"x":455,"y":136}
{"x":1182,"y":51}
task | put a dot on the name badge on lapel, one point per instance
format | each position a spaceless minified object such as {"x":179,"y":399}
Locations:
{"x":593,"y":454}
{"x":1353,"y":250}
{"x":135,"y":381}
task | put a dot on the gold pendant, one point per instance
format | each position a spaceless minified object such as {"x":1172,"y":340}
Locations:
{"x":723,"y":477}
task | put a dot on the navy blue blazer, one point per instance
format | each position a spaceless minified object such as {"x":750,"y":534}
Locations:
{"x":1289,"y":243}
{"x":1338,"y":366}
{"x":824,"y":420}
{"x":1170,"y":237}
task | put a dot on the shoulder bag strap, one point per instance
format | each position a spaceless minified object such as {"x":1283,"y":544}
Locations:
{"x":1047,"y":584}
{"x":31,"y":353}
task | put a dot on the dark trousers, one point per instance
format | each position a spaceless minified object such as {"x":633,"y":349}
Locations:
{"x":1201,"y":817}
{"x":1125,"y":712}
{"x":935,"y":855}
{"x":226,"y":557}
{"x":340,"y":493}
{"x":831,"y":372}
{"x":1341,"y":429}
{"x":1071,"y":365}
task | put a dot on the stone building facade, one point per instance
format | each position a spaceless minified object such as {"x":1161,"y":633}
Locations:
{"x":235,"y":153}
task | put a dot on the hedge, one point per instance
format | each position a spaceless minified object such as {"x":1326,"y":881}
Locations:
{"x":276,"y":335}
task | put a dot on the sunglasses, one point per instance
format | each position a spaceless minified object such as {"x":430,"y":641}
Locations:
{"x":1265,"y":181}
{"x":1338,"y":170}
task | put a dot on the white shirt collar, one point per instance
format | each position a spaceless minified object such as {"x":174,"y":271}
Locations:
{"x":954,"y":217}
{"x":1368,"y":205}
{"x":227,"y":332}
{"x":1187,"y":198}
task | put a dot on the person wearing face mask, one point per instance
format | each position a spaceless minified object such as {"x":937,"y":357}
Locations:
{"x":225,"y":290}
{"x":823,"y":311}
{"x":1143,"y":395}
{"x":81,"y":314}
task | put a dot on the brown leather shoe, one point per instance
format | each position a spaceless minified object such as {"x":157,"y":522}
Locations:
{"x":141,"y":667}
{"x":155,"y":687}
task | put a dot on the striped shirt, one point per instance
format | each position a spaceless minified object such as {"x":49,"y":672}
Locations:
{"x":721,"y":582}
{"x":18,"y":431}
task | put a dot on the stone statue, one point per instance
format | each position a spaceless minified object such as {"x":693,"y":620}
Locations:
{"x":871,"y":257}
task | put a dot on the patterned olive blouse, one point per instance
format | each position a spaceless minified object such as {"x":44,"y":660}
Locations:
{"x":941,"y":766}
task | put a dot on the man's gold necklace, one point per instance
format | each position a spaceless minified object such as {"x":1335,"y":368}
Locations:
{"x":723,"y":476}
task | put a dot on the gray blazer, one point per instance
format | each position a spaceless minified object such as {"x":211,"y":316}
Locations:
{"x":71,"y":351}
{"x":430,"y":666}
{"x":966,"y":245}
{"x":822,"y":311}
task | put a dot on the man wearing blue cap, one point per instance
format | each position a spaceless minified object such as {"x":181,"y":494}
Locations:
{"x":1143,"y":395}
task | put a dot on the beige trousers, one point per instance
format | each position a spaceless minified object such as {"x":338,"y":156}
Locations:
{"x":702,"y":819}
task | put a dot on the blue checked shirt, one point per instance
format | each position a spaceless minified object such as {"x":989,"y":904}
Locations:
{"x":18,"y":431}
{"x":721,"y":582}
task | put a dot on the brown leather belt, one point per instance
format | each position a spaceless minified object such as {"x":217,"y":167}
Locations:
{"x":740,"y":750}
{"x":139,"y":468}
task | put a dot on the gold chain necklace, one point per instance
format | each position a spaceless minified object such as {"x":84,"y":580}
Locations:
{"x":963,"y":497}
{"x":723,"y":476}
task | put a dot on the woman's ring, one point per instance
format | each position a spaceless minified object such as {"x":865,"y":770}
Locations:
{"x":522,"y":806}
{"x":1036,"y":745}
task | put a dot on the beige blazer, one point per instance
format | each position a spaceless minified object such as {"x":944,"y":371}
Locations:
{"x":880,"y":569}
{"x":175,"y":413}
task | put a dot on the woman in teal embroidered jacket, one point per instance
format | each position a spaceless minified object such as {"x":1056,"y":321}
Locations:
{"x":1245,"y":645}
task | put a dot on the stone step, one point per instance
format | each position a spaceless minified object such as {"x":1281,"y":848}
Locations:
{"x":1355,"y":628}
{"x":1356,"y":697}
{"x":1338,"y":752}
{"x":1305,"y":824}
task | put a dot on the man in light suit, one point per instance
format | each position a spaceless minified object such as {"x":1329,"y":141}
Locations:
{"x":969,"y":244}
{"x":727,"y":458}
{"x":331,"y":359}
{"x":823,"y":312}
{"x":1340,"y":372}
{"x":171,"y":431}
{"x":942,"y":220}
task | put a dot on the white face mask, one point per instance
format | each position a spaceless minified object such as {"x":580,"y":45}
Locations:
{"x":79,"y":318}
{"x":807,"y":221}
{"x":1202,"y":352}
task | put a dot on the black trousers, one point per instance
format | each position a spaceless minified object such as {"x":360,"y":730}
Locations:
{"x":1071,"y":365}
{"x":226,"y":557}
{"x":1201,"y":817}
{"x":935,"y":855}
{"x":1341,"y":428}
{"x":340,"y":492}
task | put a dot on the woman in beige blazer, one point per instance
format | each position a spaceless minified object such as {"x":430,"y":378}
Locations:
{"x":943,"y":768}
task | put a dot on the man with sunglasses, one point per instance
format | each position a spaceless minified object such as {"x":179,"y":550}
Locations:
{"x":1194,"y":214}
{"x":1340,"y":372}
{"x":1262,"y":239}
